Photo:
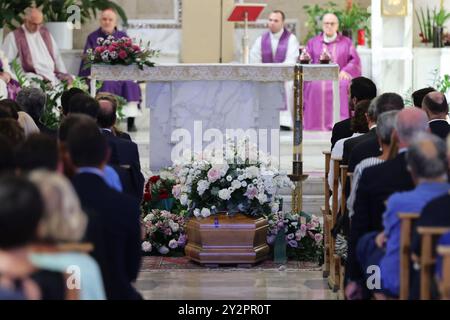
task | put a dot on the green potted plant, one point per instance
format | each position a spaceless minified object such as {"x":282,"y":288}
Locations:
{"x":11,"y":14}
{"x":352,"y":19}
{"x":315,"y":14}
{"x":60,"y":14}
{"x":425,"y":25}
{"x":439,"y":19}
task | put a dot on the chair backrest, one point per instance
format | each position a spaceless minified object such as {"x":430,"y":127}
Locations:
{"x":344,"y":171}
{"x":406,"y":225}
{"x":335,"y":190}
{"x":327,"y":156}
{"x":427,"y":258}
{"x":444,"y":285}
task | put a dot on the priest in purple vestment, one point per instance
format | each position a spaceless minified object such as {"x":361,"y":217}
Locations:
{"x":129,"y":90}
{"x":318,"y":95}
{"x":278,"y":45}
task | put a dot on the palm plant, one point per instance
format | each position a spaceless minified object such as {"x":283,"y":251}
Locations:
{"x":57,"y":10}
{"x":425,"y":25}
{"x":440,"y":17}
{"x":11,"y":11}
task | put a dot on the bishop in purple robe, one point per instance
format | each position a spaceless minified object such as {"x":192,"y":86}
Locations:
{"x":318,"y":95}
{"x":129,"y":90}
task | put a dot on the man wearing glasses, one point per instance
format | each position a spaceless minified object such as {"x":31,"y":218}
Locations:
{"x":36,"y":48}
{"x":318,"y":95}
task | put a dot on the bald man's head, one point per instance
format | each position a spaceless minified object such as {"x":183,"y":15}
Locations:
{"x":410,"y":122}
{"x":108,"y":20}
{"x":435,"y":105}
{"x":427,"y":157}
{"x":33,"y":19}
{"x":330,"y":24}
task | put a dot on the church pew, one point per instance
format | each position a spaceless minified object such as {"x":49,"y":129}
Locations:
{"x":325,"y":213}
{"x":340,"y":264}
{"x":406,"y":225}
{"x":427,"y":258}
{"x":334,"y":279}
{"x":444,"y":285}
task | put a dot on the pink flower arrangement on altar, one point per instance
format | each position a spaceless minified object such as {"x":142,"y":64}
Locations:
{"x":120,"y":51}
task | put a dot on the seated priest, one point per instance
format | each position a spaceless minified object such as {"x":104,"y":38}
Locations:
{"x":9,"y":87}
{"x":129,"y":90}
{"x":36,"y":49}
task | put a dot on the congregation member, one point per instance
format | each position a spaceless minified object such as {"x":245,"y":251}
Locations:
{"x":385,"y":127}
{"x":111,"y":176}
{"x":436,"y":106}
{"x":32,"y":101}
{"x":418,"y":95}
{"x":428,"y":165}
{"x":360,"y":88}
{"x":21,"y":210}
{"x":65,"y":99}
{"x":60,"y":230}
{"x":318,"y":114}
{"x":376,"y":184}
{"x":359,"y":127}
{"x":11,"y":129}
{"x":434,"y":214}
{"x":278,"y":45}
{"x":36,"y":49}
{"x":129,"y":90}
{"x":38,"y":151}
{"x":365,"y":146}
{"x":124,"y":156}
{"x":114,"y":218}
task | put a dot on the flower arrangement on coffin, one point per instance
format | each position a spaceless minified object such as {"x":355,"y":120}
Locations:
{"x":164,"y":232}
{"x":236,"y":185}
{"x":121,"y":51}
{"x":303,"y":235}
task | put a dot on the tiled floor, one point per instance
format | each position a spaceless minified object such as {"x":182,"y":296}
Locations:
{"x":248,"y":284}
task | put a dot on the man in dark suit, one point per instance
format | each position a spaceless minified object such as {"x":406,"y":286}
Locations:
{"x":370,"y":148}
{"x":361,"y":88}
{"x":418,"y":96}
{"x":114,"y":218}
{"x":124,"y":153}
{"x":377,"y":183}
{"x":436,"y":106}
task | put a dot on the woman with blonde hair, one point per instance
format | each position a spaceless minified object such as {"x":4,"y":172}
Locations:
{"x":59,"y":233}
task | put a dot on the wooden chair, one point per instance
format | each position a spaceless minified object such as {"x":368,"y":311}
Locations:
{"x":406,"y":226}
{"x":427,"y":258}
{"x":334,"y":279}
{"x":444,"y":285}
{"x":325,"y":213}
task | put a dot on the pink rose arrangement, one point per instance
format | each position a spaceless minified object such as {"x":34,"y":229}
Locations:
{"x":120,"y":51}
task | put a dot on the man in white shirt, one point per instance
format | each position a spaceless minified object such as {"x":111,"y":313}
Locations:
{"x":36,"y":49}
{"x":277,"y":45}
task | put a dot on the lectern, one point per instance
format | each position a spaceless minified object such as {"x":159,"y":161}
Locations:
{"x":245,"y":12}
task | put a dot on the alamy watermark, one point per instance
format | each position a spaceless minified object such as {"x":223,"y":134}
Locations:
{"x":220,"y":146}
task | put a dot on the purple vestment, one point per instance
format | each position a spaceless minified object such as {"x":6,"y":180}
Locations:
{"x":318,"y":95}
{"x":266,"y":48}
{"x":13,"y":86}
{"x":129,"y":90}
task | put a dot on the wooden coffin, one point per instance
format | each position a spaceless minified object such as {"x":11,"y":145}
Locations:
{"x":223,"y":239}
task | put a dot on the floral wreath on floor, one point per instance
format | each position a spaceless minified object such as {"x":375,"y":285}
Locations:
{"x":202,"y":186}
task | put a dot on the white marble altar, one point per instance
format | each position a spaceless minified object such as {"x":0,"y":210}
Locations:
{"x":220,"y":96}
